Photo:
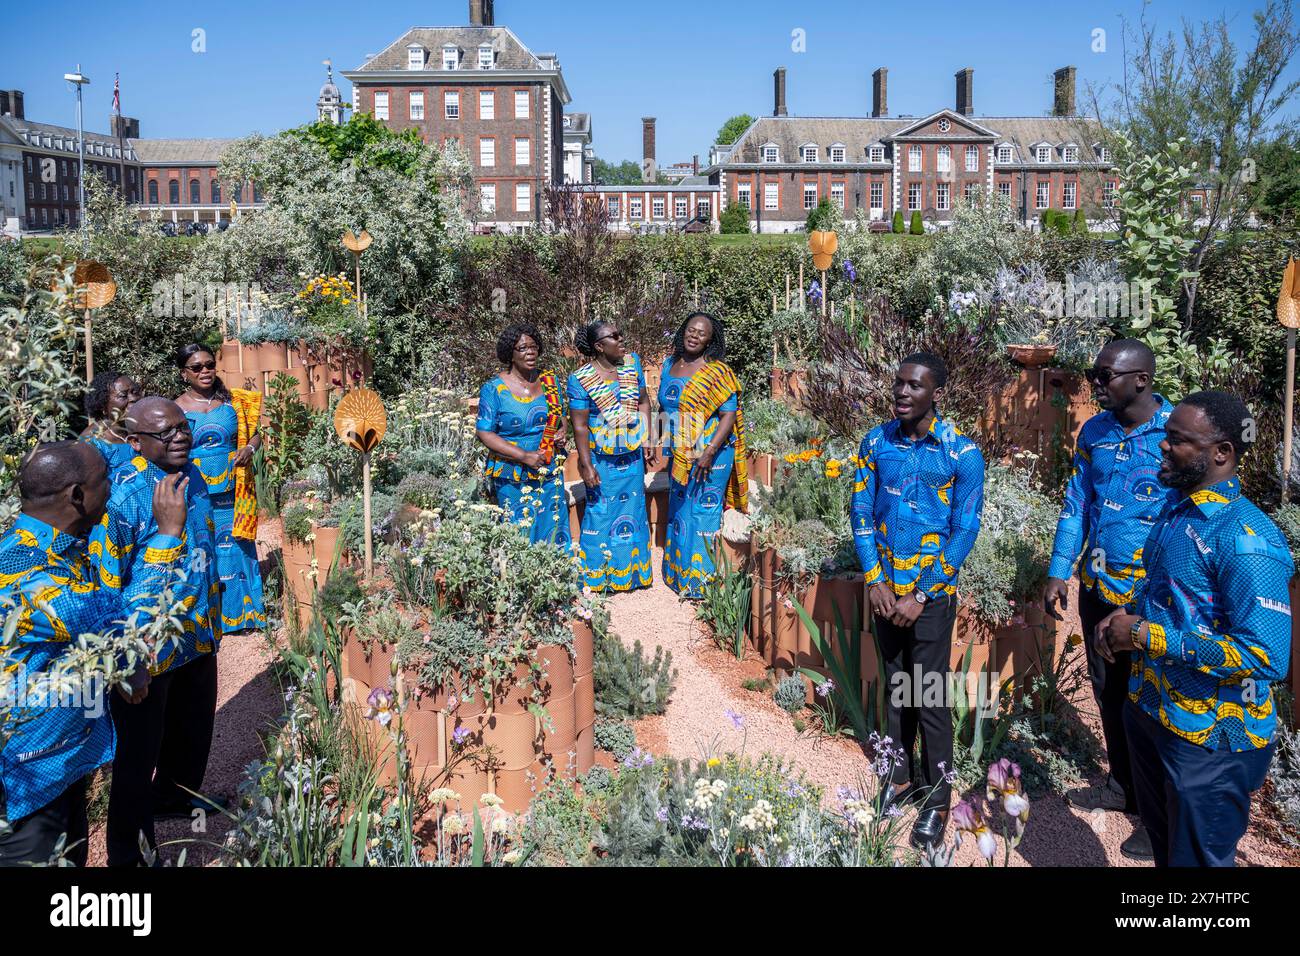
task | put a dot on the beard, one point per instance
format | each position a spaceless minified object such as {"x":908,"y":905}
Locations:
{"x":1188,"y":475}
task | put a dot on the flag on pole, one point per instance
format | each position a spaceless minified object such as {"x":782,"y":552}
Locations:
{"x":117,"y":97}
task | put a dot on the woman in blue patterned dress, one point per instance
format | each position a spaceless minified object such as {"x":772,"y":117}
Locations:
{"x":209,"y":408}
{"x":110,"y":395}
{"x":610,"y":411}
{"x":699,"y":395}
{"x":521,"y":422}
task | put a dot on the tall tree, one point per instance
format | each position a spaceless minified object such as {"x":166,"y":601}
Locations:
{"x":625,"y":173}
{"x":732,"y":128}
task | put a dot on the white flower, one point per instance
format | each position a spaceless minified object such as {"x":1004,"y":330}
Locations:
{"x":453,"y":824}
{"x":511,"y":858}
{"x":490,"y":800}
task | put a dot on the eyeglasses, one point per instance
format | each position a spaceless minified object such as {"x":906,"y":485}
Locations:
{"x":1102,"y":376}
{"x":616,"y":336}
{"x":201,"y":367}
{"x":522,"y":349}
{"x":169,"y":435}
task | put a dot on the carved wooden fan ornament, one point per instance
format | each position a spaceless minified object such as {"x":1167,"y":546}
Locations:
{"x":823,"y":245}
{"x":93,"y":288}
{"x":1288,"y":296}
{"x":360,"y":420}
{"x":357,"y":244}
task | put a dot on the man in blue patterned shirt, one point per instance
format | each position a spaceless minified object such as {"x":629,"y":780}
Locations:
{"x":163,"y":746}
{"x":917,"y":499}
{"x":1111,"y":501}
{"x":47,"y":580}
{"x":1211,"y":624}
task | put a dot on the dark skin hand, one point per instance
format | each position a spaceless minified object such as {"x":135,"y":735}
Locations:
{"x":201,"y":396}
{"x":521,"y":379}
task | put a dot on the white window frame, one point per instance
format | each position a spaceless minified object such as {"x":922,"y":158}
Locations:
{"x":915,"y":162}
{"x":635,"y":207}
{"x":968,"y":192}
{"x":1103,"y":153}
{"x":745,"y":195}
{"x":943,"y":159}
{"x":913,"y":197}
{"x":837,"y":154}
{"x":876,"y":154}
{"x":415,"y":105}
{"x":1070,"y":154}
{"x":1069,"y":195}
{"x":484,"y":191}
{"x":523,"y":197}
{"x":1005,"y":154}
{"x":771,"y":154}
{"x":414,"y":53}
{"x":809,"y":154}
{"x":837,"y":195}
{"x":972,"y":159}
{"x":451,"y":104}
{"x":877,"y":194}
{"x":681,"y":207}
{"x":1043,"y":154}
{"x":523,"y":151}
{"x":522,"y":104}
{"x":614,"y":204}
{"x":771,"y":197}
{"x":450,"y":57}
{"x":487,"y":151}
{"x":1108,"y":194}
{"x":809,"y":195}
{"x":485,"y":59}
{"x":658,"y":207}
{"x":487,"y":104}
{"x":1004,"y":189}
{"x":381,"y":105}
{"x":1043,"y":194}
{"x":942,"y":197}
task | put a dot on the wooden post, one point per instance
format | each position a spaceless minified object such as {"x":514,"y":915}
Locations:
{"x":787,"y":289}
{"x":90,"y":355}
{"x":365,"y":512}
{"x":356,"y":259}
{"x":803,"y":298}
{"x":852,"y":317}
{"x":1288,"y":414}
{"x":824,"y":295}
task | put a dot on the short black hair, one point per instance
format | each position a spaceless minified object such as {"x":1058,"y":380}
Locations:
{"x":584,"y":340}
{"x":510,"y":337}
{"x":54,"y":466}
{"x":938,"y":370}
{"x":96,"y":400}
{"x":1143,"y":358}
{"x":1227,"y":413}
{"x":717,"y":347}
{"x":187,"y":352}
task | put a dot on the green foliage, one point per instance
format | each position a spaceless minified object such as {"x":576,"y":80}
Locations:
{"x":615,"y":736}
{"x":897,"y":226}
{"x":844,"y":705}
{"x":628,"y":684}
{"x":824,"y":216}
{"x":283,"y":445}
{"x":341,"y":588}
{"x":298,"y":518}
{"x":626,"y":173}
{"x":560,"y":828}
{"x":773,"y":428}
{"x":349,"y":515}
{"x":1287,"y":519}
{"x":365,"y":141}
{"x":758,"y":685}
{"x":451,"y":655}
{"x":977,"y":725}
{"x":734,"y":219}
{"x":1284,"y":774}
{"x":1080,"y":222}
{"x":1277,"y":191}
{"x":790,"y":694}
{"x":917,"y":227}
{"x":730,"y":131}
{"x":805,"y":519}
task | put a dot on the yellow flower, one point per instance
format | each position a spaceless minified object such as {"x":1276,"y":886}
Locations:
{"x":713,"y":762}
{"x":1075,"y":640}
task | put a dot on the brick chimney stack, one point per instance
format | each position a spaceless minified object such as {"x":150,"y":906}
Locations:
{"x":695,"y":165}
{"x":880,"y":92}
{"x":1063,"y":88}
{"x":480,"y":13}
{"x":966,"y":91}
{"x":11,"y":103}
{"x":648,"y":171}
{"x":778,"y":78}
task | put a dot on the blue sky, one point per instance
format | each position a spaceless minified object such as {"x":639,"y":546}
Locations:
{"x":689,"y":65}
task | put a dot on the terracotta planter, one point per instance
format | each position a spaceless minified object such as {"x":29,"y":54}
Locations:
{"x":735,"y":555}
{"x":558,"y":666}
{"x":318,"y":401}
{"x":584,"y":648}
{"x":762,"y":468}
{"x":1023,"y":649}
{"x":272,"y":357}
{"x":381,"y":666}
{"x":300,"y":376}
{"x":762,"y":621}
{"x":323,"y":547}
{"x":426,"y":733}
{"x":1031,"y":356}
{"x":586,"y":748}
{"x":584,"y":702}
{"x":510,"y":737}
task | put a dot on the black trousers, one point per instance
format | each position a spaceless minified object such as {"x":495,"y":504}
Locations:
{"x":923,"y":649}
{"x":32,"y":839}
{"x":162,"y":746}
{"x":1110,"y":688}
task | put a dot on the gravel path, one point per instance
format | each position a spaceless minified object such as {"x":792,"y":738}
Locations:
{"x":709,"y":684}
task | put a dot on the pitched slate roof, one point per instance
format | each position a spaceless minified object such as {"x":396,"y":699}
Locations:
{"x":17,"y":127}
{"x":169,"y":151}
{"x":510,"y":53}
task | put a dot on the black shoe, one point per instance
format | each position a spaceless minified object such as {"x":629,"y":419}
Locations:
{"x":900,"y":798}
{"x":928,"y":829}
{"x":185,"y":809}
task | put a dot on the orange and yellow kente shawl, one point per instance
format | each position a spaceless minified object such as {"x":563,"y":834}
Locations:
{"x":704,"y":393}
{"x":248,"y":410}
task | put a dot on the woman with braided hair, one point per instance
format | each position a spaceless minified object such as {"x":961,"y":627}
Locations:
{"x":108,"y":397}
{"x":610,"y":411}
{"x":700,"y":396}
{"x":521,"y":422}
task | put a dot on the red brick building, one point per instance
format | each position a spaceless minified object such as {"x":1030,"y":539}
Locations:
{"x":782,"y":165}
{"x":480,"y":87}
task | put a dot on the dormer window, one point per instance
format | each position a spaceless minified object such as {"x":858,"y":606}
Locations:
{"x":1103,"y":153}
{"x":485,"y":56}
{"x":771,"y":154}
{"x":450,"y":57}
{"x":1004,"y":154}
{"x":876,"y":154}
{"x":415,"y":57}
{"x":808,"y":153}
{"x":1043,"y":154}
{"x":837,"y":154}
{"x":1070,"y":154}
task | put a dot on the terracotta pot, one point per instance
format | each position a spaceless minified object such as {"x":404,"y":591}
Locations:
{"x":511,"y":737}
{"x":514,"y":696}
{"x":585,"y":744}
{"x":355,"y":664}
{"x":318,"y":401}
{"x":558,"y":666}
{"x":762,"y":468}
{"x":323,"y":549}
{"x":426,"y":734}
{"x":763,"y":606}
{"x":735,"y":555}
{"x":471,"y":783}
{"x":300,"y":376}
{"x":381,"y":663}
{"x":1031,"y":356}
{"x":785,"y":632}
{"x":517,"y":788}
{"x":584,"y":648}
{"x":584,"y":702}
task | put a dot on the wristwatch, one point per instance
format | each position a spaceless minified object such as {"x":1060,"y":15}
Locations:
{"x":919,"y":596}
{"x":1135,"y":633}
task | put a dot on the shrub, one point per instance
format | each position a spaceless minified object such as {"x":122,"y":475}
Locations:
{"x":616,"y":736}
{"x":627,"y":683}
{"x":898,"y":225}
{"x":341,"y":588}
{"x":918,"y":227}
{"x":734,"y":219}
{"x":1287,"y":519}
{"x":824,"y":216}
{"x":349,"y":514}
{"x":1080,"y":222}
{"x":791,"y":694}
{"x":297,"y":522}
{"x":773,"y":428}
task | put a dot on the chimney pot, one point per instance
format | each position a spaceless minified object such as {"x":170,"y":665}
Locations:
{"x":480,"y":13}
{"x":779,"y":83}
{"x":1063,"y":91}
{"x":880,"y":92}
{"x":966,"y":91}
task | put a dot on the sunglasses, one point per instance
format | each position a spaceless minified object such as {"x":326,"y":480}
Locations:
{"x":201,"y":367}
{"x":1102,"y":376}
{"x":616,"y":336}
{"x":169,"y":435}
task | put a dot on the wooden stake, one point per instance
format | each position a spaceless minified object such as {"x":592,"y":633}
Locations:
{"x":787,"y":290}
{"x":824,"y":295}
{"x":803,"y":299}
{"x":1288,"y":405}
{"x":90,"y":356}
{"x":365,"y":512}
{"x":356,"y":258}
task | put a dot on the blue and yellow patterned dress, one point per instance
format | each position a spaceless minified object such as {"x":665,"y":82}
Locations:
{"x":215,"y":435}
{"x":535,"y":500}
{"x":694,"y":507}
{"x":117,"y":455}
{"x":615,"y":546}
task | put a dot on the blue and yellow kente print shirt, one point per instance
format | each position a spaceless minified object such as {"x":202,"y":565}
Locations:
{"x":132,"y":556}
{"x":1215,"y":598}
{"x":522,"y":422}
{"x":46,"y":578}
{"x":916,"y":506}
{"x":1111,"y":502}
